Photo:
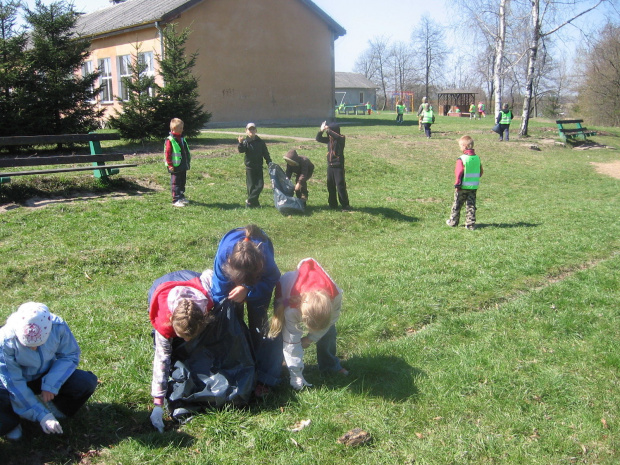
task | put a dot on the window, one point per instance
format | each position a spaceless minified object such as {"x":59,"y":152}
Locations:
{"x":145,"y":63}
{"x":124,"y":71}
{"x":105,"y":80}
{"x":87,"y":68}
{"x":361,"y":97}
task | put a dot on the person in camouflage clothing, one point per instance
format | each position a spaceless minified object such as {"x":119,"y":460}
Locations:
{"x":467,"y":174}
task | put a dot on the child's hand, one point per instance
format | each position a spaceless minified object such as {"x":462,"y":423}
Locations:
{"x":297,"y":187}
{"x":305,"y":342}
{"x":238,"y":294}
{"x":171,"y":169}
{"x":323,"y":126}
{"x":240,"y":139}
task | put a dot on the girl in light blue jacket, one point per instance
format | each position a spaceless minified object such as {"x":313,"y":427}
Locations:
{"x":39,"y":379}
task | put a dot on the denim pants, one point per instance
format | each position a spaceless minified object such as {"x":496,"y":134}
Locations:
{"x":268,"y":352}
{"x":72,"y":395}
{"x":326,"y":351}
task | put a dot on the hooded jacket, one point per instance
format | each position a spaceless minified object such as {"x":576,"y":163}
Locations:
{"x":303,"y":168}
{"x":335,"y":145}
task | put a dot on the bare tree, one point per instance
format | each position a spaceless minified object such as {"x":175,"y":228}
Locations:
{"x":536,"y":35}
{"x":599,"y":93}
{"x":429,"y":44}
{"x":402,"y":66}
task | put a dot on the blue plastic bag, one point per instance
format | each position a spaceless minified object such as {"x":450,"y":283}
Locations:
{"x":284,"y":192}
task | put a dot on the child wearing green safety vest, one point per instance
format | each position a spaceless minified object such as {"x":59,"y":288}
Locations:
{"x":177,"y":159}
{"x":504,"y":117}
{"x":467,"y":175}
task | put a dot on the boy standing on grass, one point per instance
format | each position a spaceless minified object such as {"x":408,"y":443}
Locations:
{"x":255,"y":150}
{"x":467,"y":174}
{"x":504,"y":117}
{"x":178,"y":160}
{"x":336,"y":183}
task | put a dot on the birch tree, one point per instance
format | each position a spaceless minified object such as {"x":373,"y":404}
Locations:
{"x":430,"y":45}
{"x":536,"y":35}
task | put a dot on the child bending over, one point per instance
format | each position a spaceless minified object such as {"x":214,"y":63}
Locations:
{"x":307,"y":297}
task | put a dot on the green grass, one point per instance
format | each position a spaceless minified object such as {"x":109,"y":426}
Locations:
{"x":497,"y":346}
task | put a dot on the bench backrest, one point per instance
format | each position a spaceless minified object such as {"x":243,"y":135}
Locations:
{"x":569,"y":121}
{"x":56,"y":139}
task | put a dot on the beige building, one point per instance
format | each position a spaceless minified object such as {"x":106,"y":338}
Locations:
{"x":267,"y":61}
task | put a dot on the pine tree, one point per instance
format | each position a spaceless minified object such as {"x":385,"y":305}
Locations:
{"x":136,"y":120}
{"x":12,"y":49}
{"x":57,"y":101}
{"x":178,"y":98}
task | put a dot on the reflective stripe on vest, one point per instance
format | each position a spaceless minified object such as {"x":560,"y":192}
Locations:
{"x":177,"y":153}
{"x":505,"y":118}
{"x":427,"y":117}
{"x":471,"y":176}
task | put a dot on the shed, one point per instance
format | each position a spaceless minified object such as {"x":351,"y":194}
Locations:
{"x":449,"y":100}
{"x":277,"y":67}
{"x":354,"y":89}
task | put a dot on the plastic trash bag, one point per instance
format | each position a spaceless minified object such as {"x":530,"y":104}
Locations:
{"x":284,"y":192}
{"x":496,"y":129}
{"x":215,"y":368}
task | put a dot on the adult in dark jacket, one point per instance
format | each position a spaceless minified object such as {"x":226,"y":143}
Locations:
{"x":336,"y":183}
{"x":255,"y":150}
{"x":302,"y":168}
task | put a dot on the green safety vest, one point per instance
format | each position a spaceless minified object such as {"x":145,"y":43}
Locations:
{"x":427,"y":116}
{"x":471,"y":177}
{"x":506,"y":117}
{"x":400,"y":109}
{"x":177,"y":153}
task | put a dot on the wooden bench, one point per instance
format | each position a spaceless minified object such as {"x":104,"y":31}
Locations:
{"x":573,"y":133}
{"x":95,"y":159}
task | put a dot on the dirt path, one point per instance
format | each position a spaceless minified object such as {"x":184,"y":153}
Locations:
{"x":610,"y":169}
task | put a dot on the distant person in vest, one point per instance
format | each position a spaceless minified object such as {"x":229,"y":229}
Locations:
{"x":302,"y":168}
{"x":336,"y":183}
{"x":400,"y":111}
{"x":307,"y":298}
{"x":482,"y":108}
{"x":467,"y":173}
{"x":39,"y":379}
{"x":428,"y":118}
{"x":504,"y":117}
{"x":245,"y":272}
{"x":178,"y":160}
{"x":369,"y":107}
{"x":255,"y":150}
{"x":472,"y":111}
{"x":179,"y":305}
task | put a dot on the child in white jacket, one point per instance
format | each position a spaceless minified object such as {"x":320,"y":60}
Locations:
{"x":307,"y":297}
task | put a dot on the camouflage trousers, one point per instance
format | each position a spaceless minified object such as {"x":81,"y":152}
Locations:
{"x":467,"y":197}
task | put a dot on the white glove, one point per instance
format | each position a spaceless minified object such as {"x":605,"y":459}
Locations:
{"x":49,"y":424}
{"x":157,"y":418}
{"x":298,"y":383}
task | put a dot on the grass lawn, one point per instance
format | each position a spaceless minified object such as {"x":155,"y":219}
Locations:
{"x":493,"y":346}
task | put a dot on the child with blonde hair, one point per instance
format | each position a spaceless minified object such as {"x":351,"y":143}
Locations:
{"x":307,"y":297}
{"x":177,"y":159}
{"x":467,"y":173}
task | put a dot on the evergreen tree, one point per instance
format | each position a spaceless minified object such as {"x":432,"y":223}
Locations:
{"x":12,"y":49}
{"x":178,"y":98}
{"x":136,"y":121}
{"x":57,"y":100}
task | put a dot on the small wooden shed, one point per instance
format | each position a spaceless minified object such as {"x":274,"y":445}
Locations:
{"x":449,"y":100}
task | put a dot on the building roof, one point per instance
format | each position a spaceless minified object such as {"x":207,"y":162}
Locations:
{"x":135,"y":14}
{"x":353,"y":81}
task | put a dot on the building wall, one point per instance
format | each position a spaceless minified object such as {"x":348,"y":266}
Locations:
{"x":267,"y":61}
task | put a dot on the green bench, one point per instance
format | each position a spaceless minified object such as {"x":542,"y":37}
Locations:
{"x":578,"y":132}
{"x":96,"y":160}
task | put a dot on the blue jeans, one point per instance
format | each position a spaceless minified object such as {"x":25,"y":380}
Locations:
{"x":326,"y":351}
{"x":268,"y":352}
{"x":72,"y":395}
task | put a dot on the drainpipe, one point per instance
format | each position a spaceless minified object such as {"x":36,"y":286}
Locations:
{"x":160,"y":33}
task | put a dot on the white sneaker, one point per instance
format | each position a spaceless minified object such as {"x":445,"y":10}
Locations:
{"x":15,"y":434}
{"x":184,"y":200}
{"x":178,"y":203}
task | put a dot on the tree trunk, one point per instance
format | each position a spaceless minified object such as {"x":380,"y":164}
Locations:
{"x":531,"y":66}
{"x":500,"y":41}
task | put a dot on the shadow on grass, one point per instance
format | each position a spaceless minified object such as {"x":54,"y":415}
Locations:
{"x":389,"y":377}
{"x":55,"y":190}
{"x":519,"y":224}
{"x":388,"y":213}
{"x":96,"y":427}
